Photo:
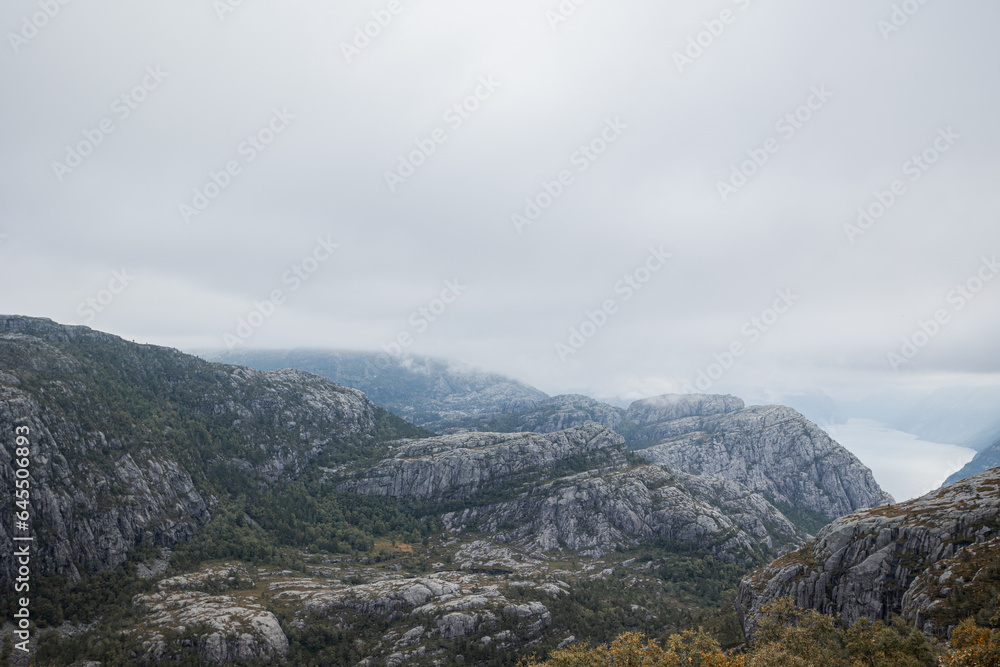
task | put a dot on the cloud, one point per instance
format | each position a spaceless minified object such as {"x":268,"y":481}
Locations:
{"x":657,"y":184}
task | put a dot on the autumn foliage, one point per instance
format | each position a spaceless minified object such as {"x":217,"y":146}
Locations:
{"x":788,"y":636}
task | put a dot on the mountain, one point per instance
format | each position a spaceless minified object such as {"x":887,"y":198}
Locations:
{"x":127,"y":438}
{"x":554,"y":414}
{"x":652,"y":420}
{"x":954,"y":415}
{"x":432,"y":393}
{"x":184,"y":510}
{"x":774,"y":451}
{"x":982,"y":461}
{"x":931,"y":560}
{"x":574,"y":490}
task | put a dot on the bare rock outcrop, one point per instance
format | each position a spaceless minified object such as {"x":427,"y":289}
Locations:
{"x":774,"y":451}
{"x":894,"y":559}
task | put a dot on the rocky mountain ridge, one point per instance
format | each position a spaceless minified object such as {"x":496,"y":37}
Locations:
{"x":894,"y":559}
{"x":121,"y":434}
{"x":139,"y":449}
{"x":436,"y":394}
{"x":776,"y":452}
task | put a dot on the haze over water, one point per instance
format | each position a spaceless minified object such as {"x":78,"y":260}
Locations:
{"x":903,"y":464}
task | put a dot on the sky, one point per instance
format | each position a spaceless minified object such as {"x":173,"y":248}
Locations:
{"x":621,"y":198}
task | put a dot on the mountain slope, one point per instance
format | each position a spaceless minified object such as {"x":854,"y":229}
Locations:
{"x":554,"y":414}
{"x":910,"y":559}
{"x":982,"y":461}
{"x":776,"y":452}
{"x":431,"y":393}
{"x":573,"y":490}
{"x":192,"y":511}
{"x":129,"y":442}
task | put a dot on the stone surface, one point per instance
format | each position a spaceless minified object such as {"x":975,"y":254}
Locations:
{"x":224,"y":627}
{"x":458,"y":466}
{"x":774,"y":451}
{"x":671,"y":407}
{"x":595,"y":514}
{"x":105,"y":475}
{"x":886,"y":560}
{"x":554,"y":414}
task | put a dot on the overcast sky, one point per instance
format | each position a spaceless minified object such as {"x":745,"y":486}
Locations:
{"x":308,"y":114}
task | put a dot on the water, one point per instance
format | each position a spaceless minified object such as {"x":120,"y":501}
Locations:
{"x":903,"y":464}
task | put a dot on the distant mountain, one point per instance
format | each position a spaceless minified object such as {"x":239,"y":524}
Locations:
{"x":554,"y":414}
{"x":984,"y":460}
{"x":432,"y":393}
{"x":954,"y":415}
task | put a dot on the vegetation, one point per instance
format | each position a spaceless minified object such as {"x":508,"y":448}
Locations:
{"x":787,"y":637}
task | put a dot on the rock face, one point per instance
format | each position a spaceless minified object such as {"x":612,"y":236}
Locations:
{"x":595,"y":514}
{"x":456,"y":467}
{"x":555,"y":414}
{"x":432,"y":393}
{"x":224,"y":628}
{"x":671,"y":407}
{"x":895,"y":559}
{"x":570,"y":490}
{"x":119,"y":433}
{"x":134,"y":444}
{"x":774,"y":451}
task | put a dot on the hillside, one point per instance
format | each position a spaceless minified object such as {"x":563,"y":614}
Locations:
{"x":202,"y":512}
{"x":432,"y":393}
{"x":932,"y":560}
{"x":982,"y":461}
